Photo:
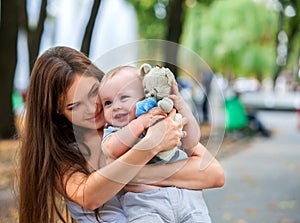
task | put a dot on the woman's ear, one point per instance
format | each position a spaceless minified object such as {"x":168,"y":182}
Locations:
{"x":144,"y":69}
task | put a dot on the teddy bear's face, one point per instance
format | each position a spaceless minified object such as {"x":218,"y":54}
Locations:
{"x":157,"y":83}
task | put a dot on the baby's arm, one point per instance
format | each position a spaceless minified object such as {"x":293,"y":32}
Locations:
{"x":192,"y":127}
{"x":122,"y":140}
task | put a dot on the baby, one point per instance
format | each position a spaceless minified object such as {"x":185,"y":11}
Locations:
{"x":120,"y":90}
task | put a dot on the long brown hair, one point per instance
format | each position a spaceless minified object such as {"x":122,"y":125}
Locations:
{"x":45,"y":151}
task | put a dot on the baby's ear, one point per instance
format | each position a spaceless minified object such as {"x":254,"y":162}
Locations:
{"x":144,"y":69}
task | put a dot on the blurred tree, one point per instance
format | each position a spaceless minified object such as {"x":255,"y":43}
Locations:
{"x":34,"y":31}
{"x":161,"y":19}
{"x":234,"y":37}
{"x":175,"y":20}
{"x":155,"y":16}
{"x":8,"y":61}
{"x":151,"y":16}
{"x":86,"y":42}
{"x":14,"y":17}
{"x":289,"y":24}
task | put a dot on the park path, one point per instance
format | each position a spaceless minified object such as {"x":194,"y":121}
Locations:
{"x":263,"y":181}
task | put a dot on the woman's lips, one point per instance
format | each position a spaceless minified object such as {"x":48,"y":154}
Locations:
{"x":96,"y":118}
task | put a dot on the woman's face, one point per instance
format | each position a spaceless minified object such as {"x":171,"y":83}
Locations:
{"x":82,"y":105}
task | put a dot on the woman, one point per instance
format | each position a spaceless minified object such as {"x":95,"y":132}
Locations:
{"x":60,"y":152}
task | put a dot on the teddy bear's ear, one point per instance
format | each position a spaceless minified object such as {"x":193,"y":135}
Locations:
{"x":144,"y":69}
{"x":170,"y":76}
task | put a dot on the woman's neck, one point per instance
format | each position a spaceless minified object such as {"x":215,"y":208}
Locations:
{"x":93,"y":140}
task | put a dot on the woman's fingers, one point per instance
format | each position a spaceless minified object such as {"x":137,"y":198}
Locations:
{"x":184,"y":134}
{"x":155,"y":119}
{"x":183,"y":122}
{"x":156,"y":111}
{"x":172,"y":114}
{"x":168,"y":132}
{"x":174,"y":88}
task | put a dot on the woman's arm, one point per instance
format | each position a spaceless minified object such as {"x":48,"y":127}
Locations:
{"x":192,"y":127}
{"x":94,"y":190}
{"x":199,"y":171}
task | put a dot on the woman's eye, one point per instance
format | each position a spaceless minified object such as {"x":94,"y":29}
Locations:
{"x":73,"y":107}
{"x":95,"y":91}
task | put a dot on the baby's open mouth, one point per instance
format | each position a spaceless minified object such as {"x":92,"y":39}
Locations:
{"x":118,"y":116}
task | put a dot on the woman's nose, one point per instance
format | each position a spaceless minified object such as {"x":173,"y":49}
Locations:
{"x":91,"y":107}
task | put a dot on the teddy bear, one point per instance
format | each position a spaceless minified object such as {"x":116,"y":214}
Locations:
{"x":157,"y":83}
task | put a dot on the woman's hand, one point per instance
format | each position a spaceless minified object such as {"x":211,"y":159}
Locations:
{"x":151,"y":117}
{"x":179,"y":103}
{"x":192,"y":128}
{"x":165,"y":134}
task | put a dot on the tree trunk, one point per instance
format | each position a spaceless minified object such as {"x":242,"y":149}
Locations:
{"x":86,"y":42}
{"x":278,"y":67}
{"x":8,"y":61}
{"x":175,"y":26}
{"x":294,"y":29}
{"x":35,"y":35}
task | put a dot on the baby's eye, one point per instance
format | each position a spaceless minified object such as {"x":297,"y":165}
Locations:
{"x":107,"y":103}
{"x":146,"y":91}
{"x":124,"y":97}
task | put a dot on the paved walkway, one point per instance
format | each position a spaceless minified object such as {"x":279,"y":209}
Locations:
{"x":263,"y":181}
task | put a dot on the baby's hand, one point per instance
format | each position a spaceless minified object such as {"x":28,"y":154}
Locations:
{"x":152,"y":116}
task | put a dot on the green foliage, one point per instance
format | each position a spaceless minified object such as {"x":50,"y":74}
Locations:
{"x":233,"y":36}
{"x":150,"y":27}
{"x":291,"y":26}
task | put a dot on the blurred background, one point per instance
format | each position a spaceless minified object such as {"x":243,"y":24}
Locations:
{"x":251,"y":46}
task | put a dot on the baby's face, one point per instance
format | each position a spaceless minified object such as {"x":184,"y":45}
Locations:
{"x":119,"y":95}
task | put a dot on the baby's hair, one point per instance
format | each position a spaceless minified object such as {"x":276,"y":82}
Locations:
{"x":110,"y":74}
{"x":116,"y":70}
